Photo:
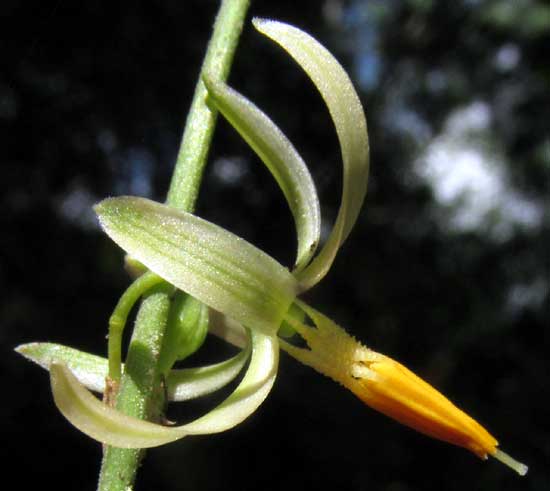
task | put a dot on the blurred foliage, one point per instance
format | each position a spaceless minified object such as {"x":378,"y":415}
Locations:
{"x":453,"y":281}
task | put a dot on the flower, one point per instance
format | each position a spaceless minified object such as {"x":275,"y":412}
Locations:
{"x":253,"y":290}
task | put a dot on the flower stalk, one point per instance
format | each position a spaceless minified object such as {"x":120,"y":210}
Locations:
{"x":119,"y":466}
{"x":140,"y":395}
{"x":201,"y":119}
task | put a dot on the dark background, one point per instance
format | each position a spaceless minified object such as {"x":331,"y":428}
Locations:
{"x":447,"y":269}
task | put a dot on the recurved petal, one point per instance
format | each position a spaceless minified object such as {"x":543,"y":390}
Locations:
{"x":213,"y":265}
{"x":90,"y":370}
{"x":181,"y":384}
{"x":111,"y":427}
{"x":282,"y":160}
{"x":190,"y":383}
{"x":349,"y":119}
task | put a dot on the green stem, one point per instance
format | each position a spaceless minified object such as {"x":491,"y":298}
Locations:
{"x":140,"y":393}
{"x":201,"y":120}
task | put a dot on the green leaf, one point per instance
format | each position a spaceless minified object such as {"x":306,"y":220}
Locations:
{"x":181,"y":384}
{"x":208,"y":262}
{"x":347,"y":113}
{"x":280,"y":157}
{"x":111,"y":427}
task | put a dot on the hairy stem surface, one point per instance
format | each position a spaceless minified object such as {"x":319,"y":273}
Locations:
{"x":140,"y":393}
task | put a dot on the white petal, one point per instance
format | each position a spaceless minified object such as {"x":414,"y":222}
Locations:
{"x":190,"y":383}
{"x":347,"y":113}
{"x":213,"y":265}
{"x":111,"y":427}
{"x":280,"y":157}
{"x":181,"y":384}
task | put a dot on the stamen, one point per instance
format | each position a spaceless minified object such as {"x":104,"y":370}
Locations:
{"x":389,"y":387}
{"x":503,"y":457}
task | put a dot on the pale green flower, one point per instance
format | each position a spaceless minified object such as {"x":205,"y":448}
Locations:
{"x":252,"y":292}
